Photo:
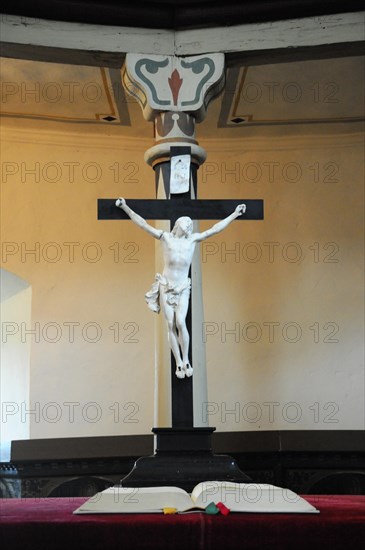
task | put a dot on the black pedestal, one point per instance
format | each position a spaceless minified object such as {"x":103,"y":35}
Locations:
{"x":183,"y":458}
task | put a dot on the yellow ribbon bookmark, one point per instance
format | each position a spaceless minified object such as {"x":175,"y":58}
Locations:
{"x":169,"y":510}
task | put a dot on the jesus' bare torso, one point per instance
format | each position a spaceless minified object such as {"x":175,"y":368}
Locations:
{"x":171,"y":290}
{"x":178,"y":255}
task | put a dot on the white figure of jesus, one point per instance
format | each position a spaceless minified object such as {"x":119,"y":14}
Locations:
{"x":171,"y":290}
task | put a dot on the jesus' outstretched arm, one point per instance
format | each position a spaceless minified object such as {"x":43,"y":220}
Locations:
{"x":218,"y":227}
{"x":137,"y":219}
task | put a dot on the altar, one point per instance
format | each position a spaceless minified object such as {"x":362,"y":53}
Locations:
{"x":41,"y":524}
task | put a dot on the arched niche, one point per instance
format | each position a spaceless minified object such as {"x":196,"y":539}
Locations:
{"x":16,"y":295}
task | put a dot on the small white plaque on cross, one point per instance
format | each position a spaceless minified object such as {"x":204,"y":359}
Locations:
{"x":180,"y":174}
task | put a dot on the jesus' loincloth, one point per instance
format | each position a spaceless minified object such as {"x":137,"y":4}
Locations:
{"x":172,"y":292}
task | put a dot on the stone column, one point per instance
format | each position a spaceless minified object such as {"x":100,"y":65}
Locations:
{"x":174,"y":93}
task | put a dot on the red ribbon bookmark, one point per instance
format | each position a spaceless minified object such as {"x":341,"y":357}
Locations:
{"x":223,"y":509}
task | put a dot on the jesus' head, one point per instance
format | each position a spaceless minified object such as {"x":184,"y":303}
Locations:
{"x":183,"y":227}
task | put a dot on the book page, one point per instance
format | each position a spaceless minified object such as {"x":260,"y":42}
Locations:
{"x":250,"y":497}
{"x":137,"y":500}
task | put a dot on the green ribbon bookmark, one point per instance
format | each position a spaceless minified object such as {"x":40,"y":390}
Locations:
{"x":212,"y":509}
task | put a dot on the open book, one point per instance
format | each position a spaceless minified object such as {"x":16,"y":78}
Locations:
{"x":238,"y":497}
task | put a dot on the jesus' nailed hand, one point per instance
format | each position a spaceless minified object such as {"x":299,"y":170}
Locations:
{"x":171,"y":290}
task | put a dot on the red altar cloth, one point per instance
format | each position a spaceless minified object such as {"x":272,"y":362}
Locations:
{"x":48,"y":524}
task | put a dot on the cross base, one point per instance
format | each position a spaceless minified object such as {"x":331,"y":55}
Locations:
{"x":183,"y":439}
{"x":183,"y":458}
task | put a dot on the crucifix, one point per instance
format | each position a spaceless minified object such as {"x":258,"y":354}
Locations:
{"x":171,"y":290}
{"x":174,"y":93}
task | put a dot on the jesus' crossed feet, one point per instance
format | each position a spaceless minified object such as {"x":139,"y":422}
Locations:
{"x":184,"y":370}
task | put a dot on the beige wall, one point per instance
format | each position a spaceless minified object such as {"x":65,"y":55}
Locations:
{"x":303,"y":305}
{"x":108,"y":382}
{"x":295,"y":359}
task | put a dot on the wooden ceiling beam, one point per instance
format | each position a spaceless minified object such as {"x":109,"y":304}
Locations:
{"x":256,"y":43}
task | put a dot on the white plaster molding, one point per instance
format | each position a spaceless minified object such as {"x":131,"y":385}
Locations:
{"x":163,"y":149}
{"x":282,"y":143}
{"x":221,"y":144}
{"x":74,"y":139}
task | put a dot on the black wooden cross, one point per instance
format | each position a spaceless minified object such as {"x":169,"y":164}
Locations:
{"x":172,"y":209}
